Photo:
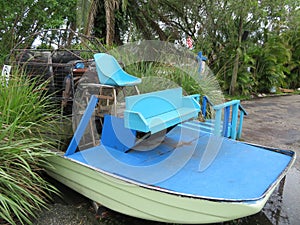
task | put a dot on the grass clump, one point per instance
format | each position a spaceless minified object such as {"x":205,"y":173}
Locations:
{"x":27,"y":125}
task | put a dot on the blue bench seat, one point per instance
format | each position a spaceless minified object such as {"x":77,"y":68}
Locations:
{"x":156,"y":111}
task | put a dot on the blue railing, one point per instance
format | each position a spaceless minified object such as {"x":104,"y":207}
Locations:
{"x":229,"y":117}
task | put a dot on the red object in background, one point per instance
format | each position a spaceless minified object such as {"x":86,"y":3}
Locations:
{"x":189,"y":42}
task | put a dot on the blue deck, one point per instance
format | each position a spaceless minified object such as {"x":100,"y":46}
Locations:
{"x":238,"y":171}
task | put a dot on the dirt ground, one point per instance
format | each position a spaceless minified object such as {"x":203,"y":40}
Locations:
{"x":272,"y":121}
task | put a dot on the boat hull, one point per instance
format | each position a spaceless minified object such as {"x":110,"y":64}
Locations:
{"x":147,"y":202}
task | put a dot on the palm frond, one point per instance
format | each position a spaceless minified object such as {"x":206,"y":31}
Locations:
{"x":86,"y":12}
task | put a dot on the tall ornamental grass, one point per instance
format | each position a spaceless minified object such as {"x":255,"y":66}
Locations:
{"x":27,"y":125}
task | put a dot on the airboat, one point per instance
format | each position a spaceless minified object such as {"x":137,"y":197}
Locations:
{"x":156,"y":160}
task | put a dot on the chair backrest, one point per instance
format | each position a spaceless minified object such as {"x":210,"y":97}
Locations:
{"x":106,"y":66}
{"x":155,"y":103}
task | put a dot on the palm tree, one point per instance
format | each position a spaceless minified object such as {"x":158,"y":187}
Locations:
{"x":110,"y":7}
{"x":87,"y":10}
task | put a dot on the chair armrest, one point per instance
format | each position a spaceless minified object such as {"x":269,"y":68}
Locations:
{"x":191,"y":101}
{"x":135,"y":121}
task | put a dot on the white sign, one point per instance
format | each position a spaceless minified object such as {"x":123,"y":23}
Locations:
{"x":6,"y":72}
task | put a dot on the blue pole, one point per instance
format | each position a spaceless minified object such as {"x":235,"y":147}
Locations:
{"x":82,"y":125}
{"x":200,"y":58}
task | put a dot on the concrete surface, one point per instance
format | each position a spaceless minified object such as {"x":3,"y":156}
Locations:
{"x":275,"y":122}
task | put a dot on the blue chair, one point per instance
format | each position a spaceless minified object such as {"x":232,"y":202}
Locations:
{"x":110,"y":72}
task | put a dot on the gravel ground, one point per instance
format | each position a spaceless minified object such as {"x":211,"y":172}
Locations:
{"x":67,"y":214}
{"x":273,"y":121}
{"x":70,"y":208}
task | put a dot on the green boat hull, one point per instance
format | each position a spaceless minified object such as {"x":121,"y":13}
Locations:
{"x":147,"y":202}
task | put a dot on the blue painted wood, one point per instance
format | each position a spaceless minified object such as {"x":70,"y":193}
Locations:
{"x":242,"y":171}
{"x":111,"y":73}
{"x":234,"y":120}
{"x":115,"y":135}
{"x":155,"y":103}
{"x":196,"y":97}
{"x":156,"y":111}
{"x":204,"y":105}
{"x":200,"y":58}
{"x":239,"y":133}
{"x":230,"y":126}
{"x":82,"y":125}
{"x":218,"y":119}
{"x":207,"y":126}
{"x":241,"y":108}
{"x":226,"y":121}
{"x":221,"y":106}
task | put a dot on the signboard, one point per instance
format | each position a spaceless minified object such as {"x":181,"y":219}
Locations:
{"x":6,"y":72}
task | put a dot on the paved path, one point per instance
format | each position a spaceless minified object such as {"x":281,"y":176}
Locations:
{"x":275,"y":122}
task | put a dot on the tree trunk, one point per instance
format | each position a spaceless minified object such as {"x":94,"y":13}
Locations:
{"x":91,"y":17}
{"x":110,"y":6}
{"x":234,"y":73}
{"x":237,"y":59}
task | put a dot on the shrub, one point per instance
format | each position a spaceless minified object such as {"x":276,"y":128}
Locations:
{"x":26,"y":119}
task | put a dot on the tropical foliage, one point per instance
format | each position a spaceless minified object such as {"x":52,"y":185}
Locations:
{"x":26,"y":116}
{"x":251,"y":45}
{"x":239,"y":37}
{"x":19,"y":19}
